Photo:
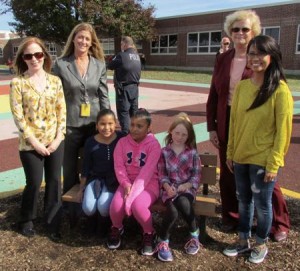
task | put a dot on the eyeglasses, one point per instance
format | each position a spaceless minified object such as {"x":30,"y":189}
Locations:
{"x":259,"y":55}
{"x":225,"y":43}
{"x":237,"y":29}
{"x":37,"y":55}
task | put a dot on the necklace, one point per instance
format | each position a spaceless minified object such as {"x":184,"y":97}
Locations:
{"x":82,"y":66}
{"x":39,"y":82}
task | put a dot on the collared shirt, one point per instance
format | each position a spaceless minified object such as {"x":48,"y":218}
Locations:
{"x":38,"y":114}
{"x":179,"y":169}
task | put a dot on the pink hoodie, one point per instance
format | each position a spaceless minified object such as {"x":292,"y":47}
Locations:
{"x":136,"y":164}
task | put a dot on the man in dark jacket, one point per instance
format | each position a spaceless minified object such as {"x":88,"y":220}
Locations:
{"x":127,"y":67}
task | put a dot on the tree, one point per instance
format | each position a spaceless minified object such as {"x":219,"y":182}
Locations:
{"x":53,"y":20}
{"x":120,"y":17}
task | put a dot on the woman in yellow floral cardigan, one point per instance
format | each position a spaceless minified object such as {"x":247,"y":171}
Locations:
{"x":38,"y":107}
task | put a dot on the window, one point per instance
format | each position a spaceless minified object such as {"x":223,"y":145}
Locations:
{"x":139,"y":45}
{"x":15,"y":50}
{"x":51,"y":48}
{"x":108,"y":46}
{"x":203,"y":42}
{"x":164,"y":44}
{"x":1,"y":52}
{"x":298,"y":40}
{"x":273,"y":31}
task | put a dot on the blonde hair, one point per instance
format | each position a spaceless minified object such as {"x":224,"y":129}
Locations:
{"x":241,"y":15}
{"x":20,"y":65}
{"x":182,"y":118}
{"x":95,"y":50}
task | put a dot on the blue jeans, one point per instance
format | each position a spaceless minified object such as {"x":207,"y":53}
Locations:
{"x":253,"y":191}
{"x":96,"y":198}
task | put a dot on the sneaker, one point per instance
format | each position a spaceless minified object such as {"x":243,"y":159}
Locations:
{"x":192,"y":246}
{"x":163,"y":251}
{"x":147,"y":249}
{"x":258,"y":253}
{"x":114,"y":238}
{"x":240,"y":247}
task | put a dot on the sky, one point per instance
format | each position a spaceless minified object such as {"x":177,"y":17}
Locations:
{"x":166,"y":8}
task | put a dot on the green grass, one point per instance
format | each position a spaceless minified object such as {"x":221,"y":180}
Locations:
{"x":199,"y":77}
{"x":178,"y":76}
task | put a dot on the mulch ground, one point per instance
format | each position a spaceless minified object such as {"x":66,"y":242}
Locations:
{"x":78,"y":250}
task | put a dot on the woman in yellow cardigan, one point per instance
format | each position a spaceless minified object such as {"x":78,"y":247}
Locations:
{"x":259,"y":136}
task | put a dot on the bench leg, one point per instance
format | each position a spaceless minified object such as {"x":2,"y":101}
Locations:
{"x":202,"y":228}
{"x":74,"y":211}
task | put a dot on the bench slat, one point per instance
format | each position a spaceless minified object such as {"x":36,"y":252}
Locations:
{"x":208,"y":175}
{"x":208,"y":159}
{"x":71,"y":195}
{"x":205,"y":205}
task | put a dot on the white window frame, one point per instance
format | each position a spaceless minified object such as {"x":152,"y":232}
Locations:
{"x":270,"y":27}
{"x":199,"y":46}
{"x":298,"y":40}
{"x":168,"y":48}
{"x":108,"y":45}
{"x":51,"y":48}
{"x":1,"y":52}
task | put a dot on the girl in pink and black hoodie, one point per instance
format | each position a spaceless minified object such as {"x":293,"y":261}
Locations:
{"x":135,"y":161}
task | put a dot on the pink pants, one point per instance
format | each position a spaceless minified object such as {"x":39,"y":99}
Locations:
{"x":140,"y":209}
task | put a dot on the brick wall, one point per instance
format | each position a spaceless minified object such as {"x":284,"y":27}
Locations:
{"x":286,"y":16}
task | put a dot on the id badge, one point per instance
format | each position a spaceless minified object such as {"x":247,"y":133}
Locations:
{"x":85,"y":110}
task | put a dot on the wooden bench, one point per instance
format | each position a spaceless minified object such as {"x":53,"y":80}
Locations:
{"x":205,"y":204}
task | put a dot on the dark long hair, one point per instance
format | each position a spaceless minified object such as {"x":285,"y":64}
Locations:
{"x":273,"y":74}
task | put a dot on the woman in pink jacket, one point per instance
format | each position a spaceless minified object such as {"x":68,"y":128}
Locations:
{"x":135,"y":161}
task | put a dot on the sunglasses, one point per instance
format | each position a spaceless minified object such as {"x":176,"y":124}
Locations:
{"x":226,"y":43}
{"x":37,"y":55}
{"x":237,"y":29}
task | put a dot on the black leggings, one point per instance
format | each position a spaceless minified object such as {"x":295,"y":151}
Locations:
{"x":34,"y":165}
{"x":183,"y":204}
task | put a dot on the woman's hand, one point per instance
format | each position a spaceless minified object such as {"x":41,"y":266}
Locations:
{"x":270,"y":177}
{"x":52,"y":147}
{"x":38,"y":147}
{"x":213,"y":137}
{"x":229,"y":164}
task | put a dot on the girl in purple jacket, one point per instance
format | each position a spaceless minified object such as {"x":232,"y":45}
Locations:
{"x":135,"y":161}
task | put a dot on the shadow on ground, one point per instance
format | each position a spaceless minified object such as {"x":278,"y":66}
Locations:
{"x":78,"y":250}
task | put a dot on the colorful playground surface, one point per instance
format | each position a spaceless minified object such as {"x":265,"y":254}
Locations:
{"x":163,"y":99}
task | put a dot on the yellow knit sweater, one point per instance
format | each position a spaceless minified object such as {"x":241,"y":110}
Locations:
{"x":260,"y":136}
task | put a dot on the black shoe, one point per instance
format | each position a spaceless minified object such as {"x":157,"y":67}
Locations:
{"x":28,"y":232}
{"x":114,"y":238}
